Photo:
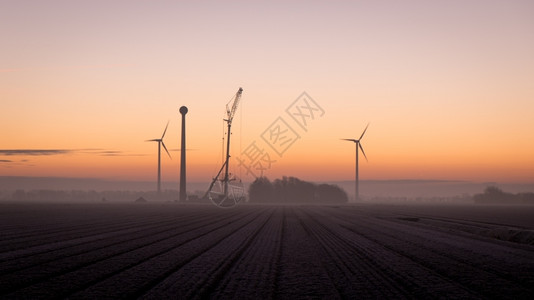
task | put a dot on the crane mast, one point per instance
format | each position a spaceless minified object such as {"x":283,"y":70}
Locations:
{"x":231,"y":108}
{"x":230,"y":114}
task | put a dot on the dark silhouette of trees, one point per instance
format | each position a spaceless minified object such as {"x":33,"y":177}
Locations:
{"x":494,"y":195}
{"x":526,"y":198}
{"x":291,"y":189}
{"x":294,"y":190}
{"x":329,"y":191}
{"x":261,"y":190}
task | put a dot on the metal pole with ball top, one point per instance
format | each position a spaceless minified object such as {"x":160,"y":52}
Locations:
{"x":183,"y":195}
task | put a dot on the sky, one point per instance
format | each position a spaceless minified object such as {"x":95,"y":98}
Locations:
{"x":445,"y":86}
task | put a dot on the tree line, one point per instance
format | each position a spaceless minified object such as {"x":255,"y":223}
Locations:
{"x":294,"y":190}
{"x":494,"y":195}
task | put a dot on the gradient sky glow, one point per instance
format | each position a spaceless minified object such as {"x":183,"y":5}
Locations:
{"x":448,"y":86}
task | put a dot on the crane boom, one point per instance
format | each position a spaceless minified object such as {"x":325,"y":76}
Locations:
{"x":231,"y":112}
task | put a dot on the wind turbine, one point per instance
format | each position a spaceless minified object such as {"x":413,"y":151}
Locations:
{"x":358,"y":144}
{"x":160,"y":143}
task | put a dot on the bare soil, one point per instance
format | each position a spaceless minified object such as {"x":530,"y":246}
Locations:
{"x":156,"y":251}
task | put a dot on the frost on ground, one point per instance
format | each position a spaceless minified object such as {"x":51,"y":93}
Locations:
{"x":155,"y":251}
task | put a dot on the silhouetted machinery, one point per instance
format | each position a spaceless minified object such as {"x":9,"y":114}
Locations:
{"x":228,"y":190}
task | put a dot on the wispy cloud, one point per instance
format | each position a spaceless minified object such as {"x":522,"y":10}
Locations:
{"x":8,"y":163}
{"x":34,"y":152}
{"x":104,"y":152}
{"x":109,"y":153}
{"x":114,"y":153}
{"x":49,"y":152}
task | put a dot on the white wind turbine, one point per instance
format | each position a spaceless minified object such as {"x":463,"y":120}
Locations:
{"x":358,"y":145}
{"x":160,"y":143}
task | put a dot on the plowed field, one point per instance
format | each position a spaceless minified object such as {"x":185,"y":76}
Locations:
{"x":156,"y":251}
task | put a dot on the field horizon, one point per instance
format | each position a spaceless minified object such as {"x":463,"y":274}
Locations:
{"x":149,"y":251}
{"x":369,"y":188}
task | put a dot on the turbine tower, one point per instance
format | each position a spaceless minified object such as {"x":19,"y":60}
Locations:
{"x":358,"y":145}
{"x":160,"y":143}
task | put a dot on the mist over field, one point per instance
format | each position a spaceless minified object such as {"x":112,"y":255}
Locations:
{"x":371,"y":190}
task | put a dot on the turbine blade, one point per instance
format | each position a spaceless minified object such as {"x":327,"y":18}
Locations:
{"x":364,"y":131}
{"x":154,"y":140}
{"x":164,"y":131}
{"x":351,"y":140}
{"x":361,"y":148}
{"x":163,"y":144}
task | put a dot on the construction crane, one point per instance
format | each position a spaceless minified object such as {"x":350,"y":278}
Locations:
{"x":231,"y":108}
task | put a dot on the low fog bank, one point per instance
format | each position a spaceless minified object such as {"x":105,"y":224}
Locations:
{"x":45,"y":189}
{"x":64,"y":196}
{"x":57,"y":189}
{"x":13,"y":183}
{"x":426,"y":190}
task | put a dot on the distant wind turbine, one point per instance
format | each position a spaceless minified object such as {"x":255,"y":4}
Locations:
{"x":160,"y":143}
{"x":358,"y":145}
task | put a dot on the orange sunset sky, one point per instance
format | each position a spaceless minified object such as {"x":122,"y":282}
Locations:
{"x":447,"y":87}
